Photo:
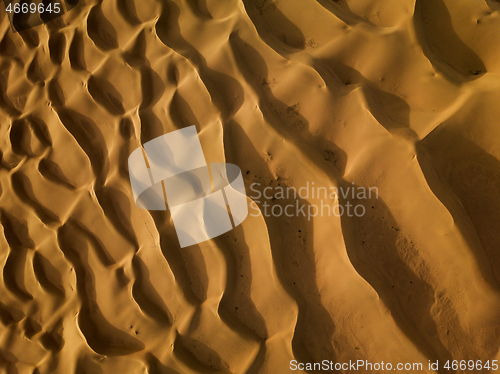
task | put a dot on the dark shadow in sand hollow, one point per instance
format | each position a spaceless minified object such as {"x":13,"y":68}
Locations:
{"x":466,"y":179}
{"x":441,"y":44}
{"x":380,"y":252}
{"x":293,"y":255}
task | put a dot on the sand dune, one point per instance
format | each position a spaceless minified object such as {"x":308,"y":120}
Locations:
{"x":398,"y":96}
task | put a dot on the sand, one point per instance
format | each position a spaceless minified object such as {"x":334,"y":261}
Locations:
{"x":400,"y":96}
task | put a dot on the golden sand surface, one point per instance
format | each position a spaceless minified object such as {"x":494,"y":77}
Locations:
{"x":398,"y":95}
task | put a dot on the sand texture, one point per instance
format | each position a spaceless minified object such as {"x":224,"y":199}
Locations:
{"x":398,"y":95}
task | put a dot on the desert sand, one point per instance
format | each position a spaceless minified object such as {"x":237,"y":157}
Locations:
{"x":398,"y":95}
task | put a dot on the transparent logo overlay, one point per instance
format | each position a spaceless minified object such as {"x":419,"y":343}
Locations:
{"x":205,"y":201}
